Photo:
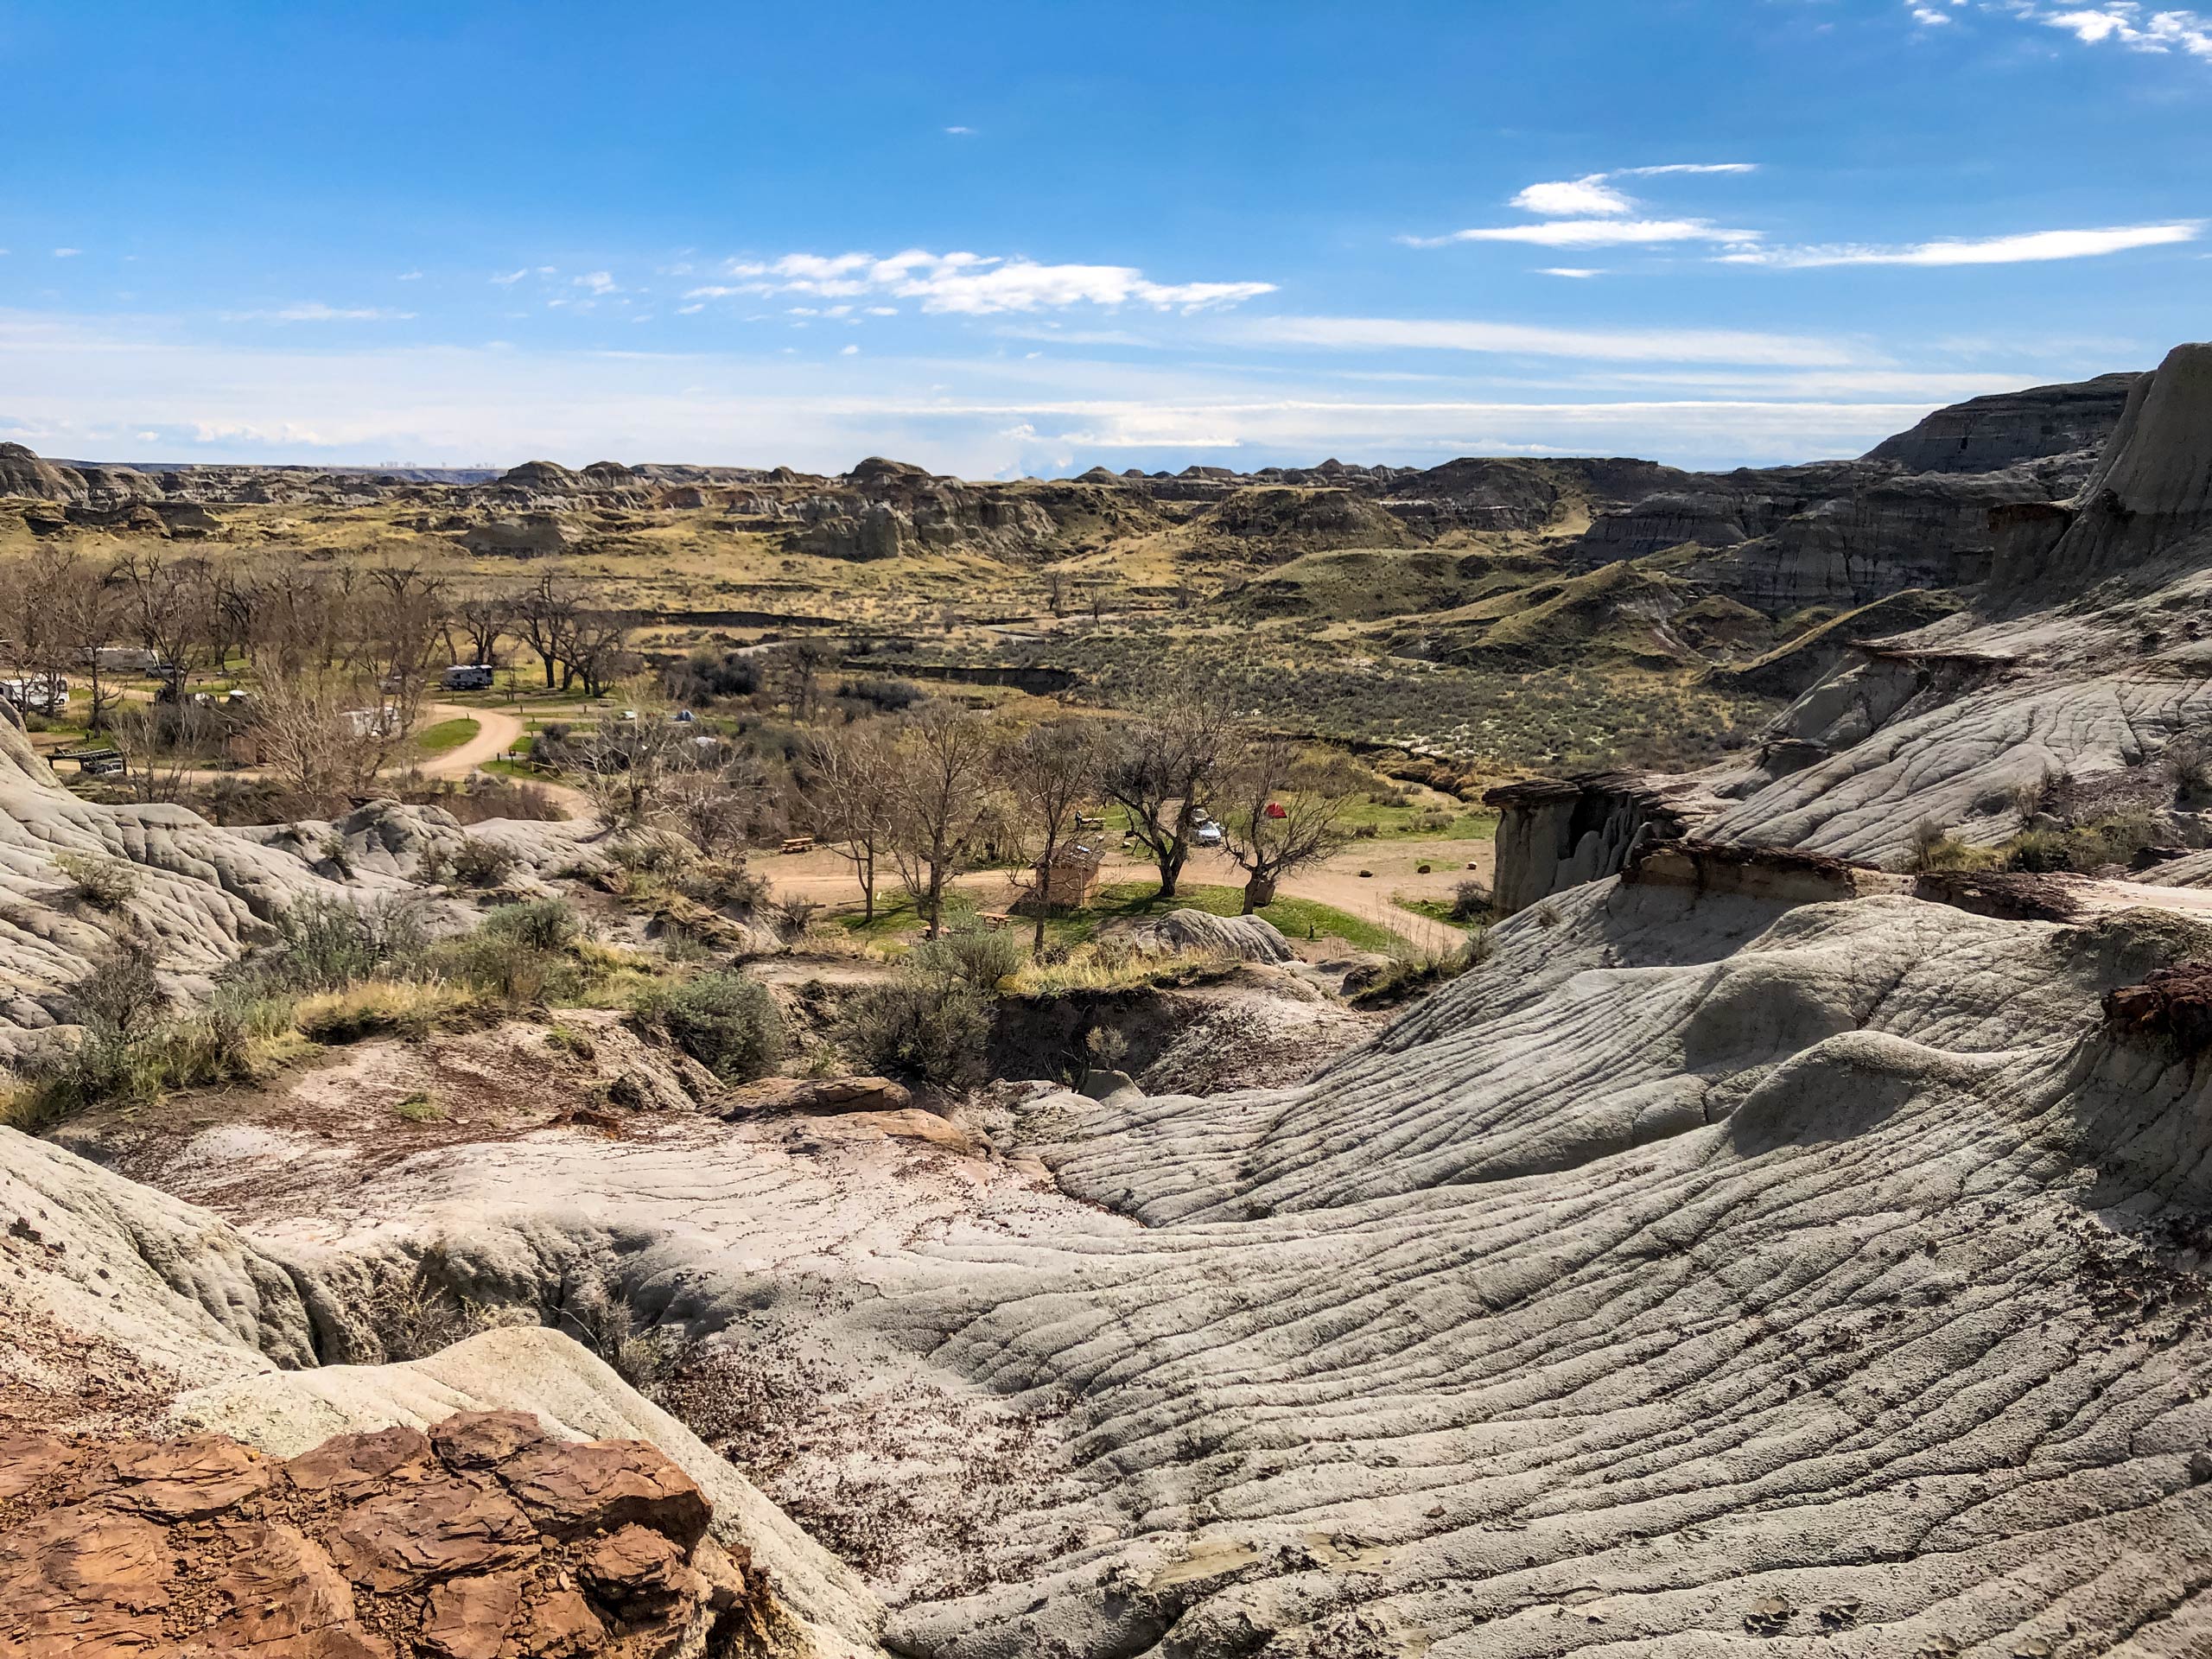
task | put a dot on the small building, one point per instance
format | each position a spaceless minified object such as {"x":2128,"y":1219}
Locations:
{"x":1071,"y":879}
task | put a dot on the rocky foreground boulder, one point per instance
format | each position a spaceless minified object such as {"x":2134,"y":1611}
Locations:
{"x":485,"y":1536}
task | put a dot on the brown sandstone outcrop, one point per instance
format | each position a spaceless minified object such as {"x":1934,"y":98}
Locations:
{"x":484,"y":1539}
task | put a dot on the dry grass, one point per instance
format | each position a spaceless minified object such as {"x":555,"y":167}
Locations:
{"x":376,"y":1007}
{"x":1109,"y":966}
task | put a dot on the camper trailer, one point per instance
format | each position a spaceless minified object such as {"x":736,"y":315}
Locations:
{"x":38,"y":695}
{"x":467,"y":677}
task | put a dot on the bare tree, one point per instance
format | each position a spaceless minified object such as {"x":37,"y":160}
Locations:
{"x":544,"y":619}
{"x":1284,"y":812}
{"x":318,"y":741}
{"x":402,"y":620}
{"x":636,"y":766}
{"x":1051,"y":769}
{"x":1056,"y":592}
{"x":850,"y":776}
{"x":940,"y":794}
{"x":88,"y":611}
{"x":1159,"y":771}
{"x":171,"y":610}
{"x":598,"y":650}
{"x":483,"y":619}
{"x":160,"y":743}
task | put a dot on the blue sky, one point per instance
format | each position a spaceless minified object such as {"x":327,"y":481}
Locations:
{"x":1007,"y":238}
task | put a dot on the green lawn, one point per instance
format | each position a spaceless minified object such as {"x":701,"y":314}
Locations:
{"x":447,"y":735}
{"x":1298,"y":918}
{"x":1436,"y":910}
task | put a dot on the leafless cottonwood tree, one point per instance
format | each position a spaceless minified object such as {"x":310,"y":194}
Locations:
{"x":1281,"y":810}
{"x":940,"y":796}
{"x":88,"y":612}
{"x":851,"y":774}
{"x":1053,"y":770}
{"x":1159,"y":768}
{"x":483,"y":620}
{"x":170,"y":609}
{"x":545,"y":619}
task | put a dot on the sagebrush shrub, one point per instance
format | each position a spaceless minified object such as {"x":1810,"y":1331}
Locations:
{"x":936,"y":1030}
{"x":729,"y":1024}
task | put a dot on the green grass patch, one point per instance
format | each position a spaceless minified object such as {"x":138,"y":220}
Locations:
{"x":1297,"y":919}
{"x":447,"y":735}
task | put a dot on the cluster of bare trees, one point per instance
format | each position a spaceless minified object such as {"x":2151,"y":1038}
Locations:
{"x":342,"y":654}
{"x":929,"y":795}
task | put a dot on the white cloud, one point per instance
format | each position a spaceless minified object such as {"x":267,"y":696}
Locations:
{"x":2026,"y":247}
{"x":411,"y":275}
{"x":1575,"y":198}
{"x":599,"y":281}
{"x":1929,"y":16}
{"x":849,"y":350}
{"x":1611,"y":344}
{"x":960,"y":131}
{"x":971,"y":284}
{"x":1577,"y":271}
{"x":508,"y":279}
{"x":67,"y":253}
{"x":1682,"y":167}
{"x":316,"y":311}
{"x":1592,"y":233}
{"x":2162,"y":31}
{"x":2120,"y":22}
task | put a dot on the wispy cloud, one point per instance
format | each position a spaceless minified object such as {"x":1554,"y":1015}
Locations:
{"x":316,"y":311}
{"x":2024,"y":248}
{"x":961,"y":131}
{"x":1591,"y":233}
{"x":971,"y":284}
{"x":67,"y":253}
{"x":1592,"y":213}
{"x":1580,"y":272}
{"x":410,"y":276}
{"x":599,"y":281}
{"x":1609,"y":345}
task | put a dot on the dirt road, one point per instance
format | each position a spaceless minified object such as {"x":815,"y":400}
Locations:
{"x":496,"y":733}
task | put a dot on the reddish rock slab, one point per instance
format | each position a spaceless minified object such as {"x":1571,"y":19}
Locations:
{"x":604,"y":1485}
{"x":353,"y":1466}
{"x":469,"y":1619}
{"x":561,"y":1626}
{"x":406,"y":1539}
{"x":285,"y":1600}
{"x":29,"y":1460}
{"x":186,"y":1479}
{"x":477,"y":1439}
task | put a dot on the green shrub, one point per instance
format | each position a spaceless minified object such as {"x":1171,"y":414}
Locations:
{"x":323,"y":944}
{"x":936,"y":1029}
{"x":542,"y":924}
{"x":975,"y":957}
{"x":505,"y":966}
{"x":482,"y":864}
{"x":1471,"y":901}
{"x":728,"y":1023}
{"x":96,"y":880}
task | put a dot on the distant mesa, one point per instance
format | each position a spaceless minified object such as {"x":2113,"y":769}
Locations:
{"x":539,"y":476}
{"x":1984,"y":435}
